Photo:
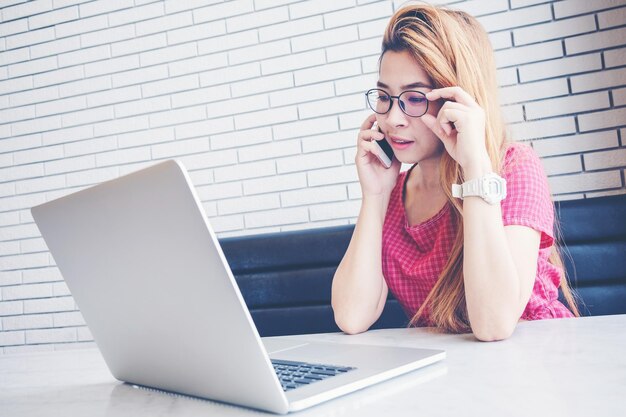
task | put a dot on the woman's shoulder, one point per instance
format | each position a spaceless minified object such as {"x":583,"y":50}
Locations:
{"x":517,"y":155}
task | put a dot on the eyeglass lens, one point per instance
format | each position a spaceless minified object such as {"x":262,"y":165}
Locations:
{"x":413,"y":103}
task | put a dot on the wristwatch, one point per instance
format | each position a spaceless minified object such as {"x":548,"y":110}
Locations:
{"x":490,"y":187}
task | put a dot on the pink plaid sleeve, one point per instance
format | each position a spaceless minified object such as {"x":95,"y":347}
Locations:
{"x":528,"y":201}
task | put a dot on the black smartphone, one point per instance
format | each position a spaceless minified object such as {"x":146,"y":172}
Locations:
{"x":384,"y":153}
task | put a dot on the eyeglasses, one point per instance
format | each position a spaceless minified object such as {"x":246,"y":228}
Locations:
{"x":412,"y":103}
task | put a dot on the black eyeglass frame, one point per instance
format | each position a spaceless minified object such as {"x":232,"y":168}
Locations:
{"x":369,"y":104}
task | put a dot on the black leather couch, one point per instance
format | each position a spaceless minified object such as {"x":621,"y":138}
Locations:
{"x":285,"y":278}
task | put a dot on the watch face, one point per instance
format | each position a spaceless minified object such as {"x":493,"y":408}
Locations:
{"x":494,"y":189}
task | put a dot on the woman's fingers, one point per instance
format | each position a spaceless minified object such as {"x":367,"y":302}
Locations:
{"x":452,"y":93}
{"x":367,"y":123}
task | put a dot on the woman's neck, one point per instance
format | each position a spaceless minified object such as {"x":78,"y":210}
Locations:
{"x":425,"y":175}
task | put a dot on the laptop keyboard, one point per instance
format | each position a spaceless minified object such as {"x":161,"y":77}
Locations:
{"x":296,"y":374}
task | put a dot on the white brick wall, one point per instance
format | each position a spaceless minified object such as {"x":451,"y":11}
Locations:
{"x":262,"y":100}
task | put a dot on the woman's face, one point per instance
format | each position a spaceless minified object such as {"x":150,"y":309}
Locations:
{"x":411,"y":139}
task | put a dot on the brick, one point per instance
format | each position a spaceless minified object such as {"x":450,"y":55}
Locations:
{"x":68,"y":319}
{"x":60,"y":289}
{"x":11,"y":308}
{"x":21,"y":55}
{"x":513,"y":114}
{"x":344,"y":209}
{"x":55,"y":47}
{"x":270,"y":150}
{"x":61,"y":106}
{"x":227,"y":42}
{"x":223,"y":10}
{"x":201,"y":177}
{"x":619,"y":97}
{"x":98,"y":114}
{"x":241,"y":138}
{"x":7,"y":219}
{"x":561,"y":66}
{"x":248,"y":204}
{"x":577,"y":143}
{"x":602,"y":119}
{"x":196,"y":32}
{"x":265,"y":117}
{"x":533,"y":91}
{"x":315,"y":7}
{"x":259,"y":52}
{"x":356,"y":84}
{"x":479,"y":8}
{"x":262,"y":84}
{"x":180,"y":147}
{"x":301,"y":94}
{"x":40,"y":184}
{"x":70,"y":164}
{"x":500,"y":40}
{"x":9,"y":248}
{"x":516,"y":18}
{"x":34,"y":321}
{"x":198,"y":64}
{"x":83,"y":333}
{"x":291,"y":29}
{"x":554,"y":30}
{"x":174,"y":6}
{"x":543,"y":128}
{"x":22,"y":231}
{"x":225,"y":75}
{"x":615,"y":57}
{"x":219,"y":191}
{"x":51,"y":336}
{"x":200,"y":96}
{"x":612,"y":18}
{"x":516,"y":4}
{"x":372,"y":29}
{"x":144,"y":43}
{"x":18,"y":84}
{"x":178,"y":116}
{"x":24,"y":292}
{"x":84,"y":86}
{"x":276,"y":217}
{"x":529,"y":53}
{"x":7,"y":189}
{"x":336,"y":175}
{"x":138,"y":107}
{"x":67,"y":135}
{"x":81,"y":26}
{"x":261,"y":18}
{"x":274,"y":183}
{"x":170,"y":85}
{"x":325,"y":38}
{"x":26,"y":9}
{"x":309,"y":161}
{"x":113,"y":96}
{"x":303,"y":128}
{"x":266,"y":4}
{"x":164,"y":23}
{"x":567,"y":105}
{"x":123,"y":156}
{"x":18,"y":113}
{"x":331,"y":106}
{"x":29,"y":38}
{"x":353,"y":50}
{"x":595,"y":41}
{"x":107,"y":36}
{"x":39,"y":124}
{"x":170,"y":53}
{"x":210,"y":159}
{"x":314,"y":195}
{"x":145,"y":137}
{"x":139,"y":76}
{"x":327,"y":72}
{"x":507,"y":76}
{"x":52,"y":18}
{"x":12,"y":338}
{"x":33,"y":66}
{"x":205,"y":128}
{"x":562,"y":165}
{"x":111,"y":66}
{"x":33,"y":245}
{"x":585,"y":182}
{"x":244,"y":171}
{"x":357,"y":15}
{"x":615,"y":158}
{"x":227,"y":223}
{"x":13,"y":27}
{"x":95,"y":8}
{"x":136,"y":14}
{"x":604,"y":193}
{"x":60,"y":76}
{"x":576,"y":7}
{"x":293,"y":62}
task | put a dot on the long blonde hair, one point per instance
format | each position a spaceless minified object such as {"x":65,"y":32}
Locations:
{"x":454,"y":49}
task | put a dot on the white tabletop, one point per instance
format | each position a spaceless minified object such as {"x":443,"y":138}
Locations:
{"x":566,"y":367}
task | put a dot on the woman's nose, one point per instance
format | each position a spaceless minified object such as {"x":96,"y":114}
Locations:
{"x":396,"y":116}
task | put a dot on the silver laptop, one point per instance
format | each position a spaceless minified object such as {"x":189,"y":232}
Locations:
{"x":156,"y":291}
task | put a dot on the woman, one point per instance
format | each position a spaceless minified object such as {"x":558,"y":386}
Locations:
{"x":466,"y":235}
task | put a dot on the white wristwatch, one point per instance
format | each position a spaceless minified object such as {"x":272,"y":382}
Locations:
{"x":490,"y":187}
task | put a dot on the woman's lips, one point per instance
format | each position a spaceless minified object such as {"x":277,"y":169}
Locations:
{"x":399,"y":143}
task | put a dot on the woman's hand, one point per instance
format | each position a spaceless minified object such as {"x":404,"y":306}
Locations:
{"x":375,"y":179}
{"x":460,"y":124}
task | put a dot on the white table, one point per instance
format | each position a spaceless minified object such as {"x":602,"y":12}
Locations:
{"x":566,"y":367}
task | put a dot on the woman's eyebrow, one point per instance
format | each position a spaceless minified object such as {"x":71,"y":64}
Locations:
{"x":418,"y":84}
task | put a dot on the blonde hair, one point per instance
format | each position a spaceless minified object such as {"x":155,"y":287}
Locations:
{"x":454,"y":49}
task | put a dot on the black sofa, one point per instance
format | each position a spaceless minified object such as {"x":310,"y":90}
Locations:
{"x":285,"y":278}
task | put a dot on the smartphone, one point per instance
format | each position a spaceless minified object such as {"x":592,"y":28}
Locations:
{"x":384,"y":152}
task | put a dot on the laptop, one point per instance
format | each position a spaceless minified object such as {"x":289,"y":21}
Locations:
{"x":146,"y":269}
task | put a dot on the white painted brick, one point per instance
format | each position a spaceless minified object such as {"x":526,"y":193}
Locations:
{"x":178,"y":116}
{"x":15,"y":55}
{"x":516,"y":18}
{"x":265,"y":117}
{"x":88,"y":116}
{"x":595,"y":41}
{"x":33,"y":321}
{"x":567,"y":105}
{"x":58,"y":76}
{"x":62,"y":335}
{"x":18,"y":113}
{"x":311,"y":161}
{"x":100,"y":7}
{"x":619,"y":97}
{"x":562,"y":165}
{"x":259,"y":52}
{"x":607,"y":159}
{"x":357,"y":15}
{"x":327,"y":72}
{"x":13,"y":27}
{"x":40,"y":184}
{"x":9,"y":248}
{"x":136,"y":14}
{"x":372,"y":29}
{"x":269,"y":150}
{"x":26,"y":9}
{"x":18,"y":84}
{"x":196,"y":32}
{"x":543,"y":128}
{"x":533,"y":91}
{"x":205,"y":128}
{"x":113,"y":96}
{"x":274,"y":183}
{"x":160,"y":24}
{"x":227,"y":42}
{"x":83,"y":333}
{"x":26,"y":291}
{"x":500,"y":40}
{"x":585,"y":182}
{"x":52,"y":18}
{"x":84,"y":86}
{"x":274,"y":83}
{"x":303,"y":128}
{"x":615,"y":57}
{"x":7,"y":189}
{"x":80,"y":26}
{"x":107,"y":36}
{"x":258,"y":19}
{"x":170,"y":85}
{"x":506,"y":76}
{"x":145,"y":137}
{"x":329,"y":176}
{"x":604,"y":193}
{"x":12,"y":338}
{"x":308,"y":196}
{"x":10,"y":308}
{"x":227,"y":223}
{"x":201,"y":177}
{"x":558,"y":67}
{"x":612,"y":18}
{"x":331,"y":106}
{"x":24,"y":230}
{"x":293,"y":61}
{"x":529,"y":53}
{"x":198,"y":64}
{"x":576,"y":7}
{"x":314,"y":7}
{"x":223,"y":10}
{"x":266,"y":4}
{"x":60,"y":289}
{"x":39,"y":124}
{"x":70,"y":164}
{"x":513,"y":114}
{"x":123,"y":156}
{"x":33,"y":66}
{"x":291,"y":28}
{"x":481,"y":7}
{"x":238,"y":105}
{"x":315,"y":225}
{"x":225,"y":75}
{"x":171,"y":53}
{"x":112,"y":65}
{"x":241,"y":138}
{"x":29,"y":38}
{"x":602,"y":119}
{"x":33,"y":245}
{"x":216,"y":192}
{"x":210,"y":159}
{"x":516,"y":4}
{"x":145,"y":43}
{"x":55,"y":47}
{"x":61,"y":106}
{"x":200,"y":95}
{"x":343,"y":209}
{"x":276,"y":217}
{"x":598,"y":80}
{"x":7,"y":219}
{"x":68,"y":319}
{"x":174,"y":6}
{"x":90,"y":146}
{"x":244,"y":171}
{"x":139,"y":76}
{"x":554,"y":30}
{"x":248,"y":204}
{"x":353,"y":50}
{"x":67,"y":135}
{"x":356,"y":84}
{"x":149,"y":105}
{"x":301,"y":94}
{"x":18,"y":172}
{"x":180,"y":147}
{"x":92,"y":176}
{"x":49,"y":305}
{"x":325,"y":38}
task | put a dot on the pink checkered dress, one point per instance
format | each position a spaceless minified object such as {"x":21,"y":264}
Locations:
{"x":414,"y":256}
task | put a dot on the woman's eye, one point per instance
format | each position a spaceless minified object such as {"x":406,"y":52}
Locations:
{"x":417,"y":99}
{"x":383,"y":99}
